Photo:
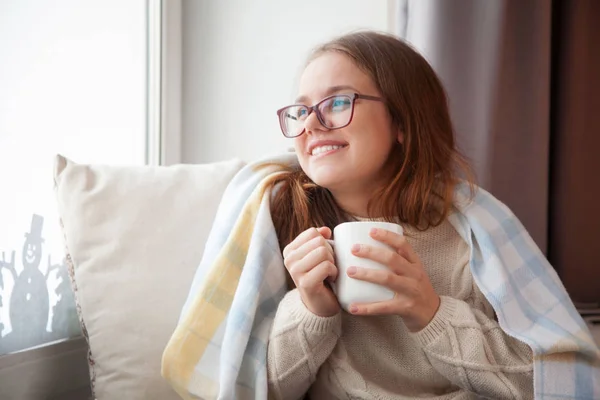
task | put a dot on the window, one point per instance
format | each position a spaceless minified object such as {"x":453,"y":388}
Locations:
{"x":73,"y":80}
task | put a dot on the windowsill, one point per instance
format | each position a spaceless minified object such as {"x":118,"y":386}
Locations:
{"x":46,"y":371}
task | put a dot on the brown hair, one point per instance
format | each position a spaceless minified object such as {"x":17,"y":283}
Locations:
{"x":428,"y":166}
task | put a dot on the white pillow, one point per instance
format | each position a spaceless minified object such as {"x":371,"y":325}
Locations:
{"x":134,"y":237}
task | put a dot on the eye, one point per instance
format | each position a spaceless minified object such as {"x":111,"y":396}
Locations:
{"x":300,"y":113}
{"x":296,"y":113}
{"x":337,"y":104}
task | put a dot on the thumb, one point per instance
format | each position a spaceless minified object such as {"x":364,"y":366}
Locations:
{"x":325,"y":232}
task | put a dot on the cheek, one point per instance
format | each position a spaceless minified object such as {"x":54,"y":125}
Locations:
{"x":298,"y":143}
{"x":374,"y":140}
{"x":299,"y":147}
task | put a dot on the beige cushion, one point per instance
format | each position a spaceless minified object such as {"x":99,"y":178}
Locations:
{"x":134,"y":238}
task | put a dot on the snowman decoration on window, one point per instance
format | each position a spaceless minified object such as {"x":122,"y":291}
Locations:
{"x":65,"y":322}
{"x":29,"y":302}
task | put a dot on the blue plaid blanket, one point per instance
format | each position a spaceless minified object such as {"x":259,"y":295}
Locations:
{"x":219,"y":348}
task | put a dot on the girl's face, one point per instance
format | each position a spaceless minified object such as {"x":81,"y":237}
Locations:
{"x":356,"y":166}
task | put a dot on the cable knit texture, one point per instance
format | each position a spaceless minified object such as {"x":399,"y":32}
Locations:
{"x":461,"y":354}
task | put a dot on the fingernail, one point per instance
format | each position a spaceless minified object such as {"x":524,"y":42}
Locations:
{"x":351,"y":270}
{"x":353,"y":309}
{"x":356,"y":247}
{"x":374,"y":231}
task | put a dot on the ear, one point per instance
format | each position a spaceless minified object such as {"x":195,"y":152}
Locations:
{"x":400,"y":136}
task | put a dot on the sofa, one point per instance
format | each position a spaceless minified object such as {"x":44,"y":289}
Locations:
{"x":134,"y":236}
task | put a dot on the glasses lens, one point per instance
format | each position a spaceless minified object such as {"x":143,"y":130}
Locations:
{"x":292,"y":120}
{"x":336,"y":111}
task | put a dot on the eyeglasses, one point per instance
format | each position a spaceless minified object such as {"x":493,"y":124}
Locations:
{"x":333,"y":112}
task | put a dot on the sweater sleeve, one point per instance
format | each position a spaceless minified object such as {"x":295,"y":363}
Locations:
{"x":299,"y":344}
{"x":465,"y":344}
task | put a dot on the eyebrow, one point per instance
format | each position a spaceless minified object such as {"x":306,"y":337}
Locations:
{"x":331,"y":90}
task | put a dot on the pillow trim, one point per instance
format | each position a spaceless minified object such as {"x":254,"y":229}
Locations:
{"x":84,"y":332}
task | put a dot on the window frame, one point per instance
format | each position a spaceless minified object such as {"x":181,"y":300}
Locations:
{"x":27,"y":370}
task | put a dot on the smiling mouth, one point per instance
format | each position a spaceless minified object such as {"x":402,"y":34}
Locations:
{"x":324,"y":150}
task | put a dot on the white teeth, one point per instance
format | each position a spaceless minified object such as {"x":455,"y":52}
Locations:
{"x":323,"y":149}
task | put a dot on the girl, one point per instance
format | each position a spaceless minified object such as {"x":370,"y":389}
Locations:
{"x":374,"y":140}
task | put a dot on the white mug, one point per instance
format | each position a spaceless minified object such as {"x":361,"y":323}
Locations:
{"x":349,"y":290}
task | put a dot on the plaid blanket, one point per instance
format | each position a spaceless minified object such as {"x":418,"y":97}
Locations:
{"x":218,"y":350}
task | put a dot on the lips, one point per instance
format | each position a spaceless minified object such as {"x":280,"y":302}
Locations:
{"x":324,"y":149}
{"x":322,"y":146}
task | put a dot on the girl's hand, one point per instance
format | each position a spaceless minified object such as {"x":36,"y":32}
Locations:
{"x":309,"y":260}
{"x":415,"y":301}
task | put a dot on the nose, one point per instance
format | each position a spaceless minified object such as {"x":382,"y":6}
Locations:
{"x":312,"y":123}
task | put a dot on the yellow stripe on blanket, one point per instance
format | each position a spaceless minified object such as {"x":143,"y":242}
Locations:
{"x":209,"y":309}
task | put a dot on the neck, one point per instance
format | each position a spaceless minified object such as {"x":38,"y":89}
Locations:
{"x":353,"y":204}
{"x":355,"y":199}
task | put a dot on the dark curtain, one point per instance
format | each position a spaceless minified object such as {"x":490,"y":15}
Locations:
{"x":574,"y":217}
{"x":523,"y":80}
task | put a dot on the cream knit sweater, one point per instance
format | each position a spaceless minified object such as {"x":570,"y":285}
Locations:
{"x":462,"y":354}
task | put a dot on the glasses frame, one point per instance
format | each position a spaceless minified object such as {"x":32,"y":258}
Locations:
{"x":315,"y":109}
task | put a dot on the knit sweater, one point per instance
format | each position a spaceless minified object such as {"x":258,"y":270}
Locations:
{"x":461,"y":354}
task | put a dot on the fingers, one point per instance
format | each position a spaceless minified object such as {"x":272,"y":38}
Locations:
{"x":325,"y":232}
{"x":304,"y":237}
{"x":415,"y":300}
{"x":300,"y":240}
{"x":315,"y":277}
{"x":379,"y":308}
{"x":385,"y":278}
{"x":397,"y":242}
{"x":310,"y":261}
{"x":314,"y":250}
{"x":415,"y":315}
{"x":394,"y":261}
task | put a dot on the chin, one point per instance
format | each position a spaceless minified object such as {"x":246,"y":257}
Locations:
{"x":328,"y":174}
{"x":327,"y":181}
